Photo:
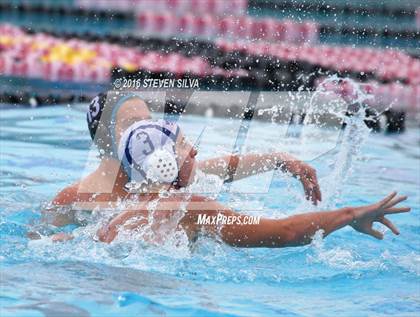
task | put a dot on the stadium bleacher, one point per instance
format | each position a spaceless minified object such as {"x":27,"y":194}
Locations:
{"x":240,"y":44}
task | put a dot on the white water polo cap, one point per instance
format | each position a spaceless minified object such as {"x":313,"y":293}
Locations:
{"x":147,"y":150}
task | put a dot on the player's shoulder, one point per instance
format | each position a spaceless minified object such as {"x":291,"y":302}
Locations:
{"x":67,"y":195}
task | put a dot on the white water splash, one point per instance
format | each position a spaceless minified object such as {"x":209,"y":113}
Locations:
{"x":355,"y":135}
{"x":339,"y":257}
{"x":350,"y":143}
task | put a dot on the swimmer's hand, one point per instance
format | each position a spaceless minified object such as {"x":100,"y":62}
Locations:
{"x":364,"y":217}
{"x":61,"y":237}
{"x":307,"y":176}
{"x":110,"y":231}
{"x":235,"y":167}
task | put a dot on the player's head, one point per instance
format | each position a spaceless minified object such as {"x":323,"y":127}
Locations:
{"x":109,"y":114}
{"x":156,"y":152}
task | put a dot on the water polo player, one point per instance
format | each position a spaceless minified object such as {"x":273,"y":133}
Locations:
{"x":108,"y":182}
{"x":156,"y":155}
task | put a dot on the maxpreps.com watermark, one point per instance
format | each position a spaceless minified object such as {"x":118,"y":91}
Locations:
{"x":128,"y":83}
{"x":220,"y":219}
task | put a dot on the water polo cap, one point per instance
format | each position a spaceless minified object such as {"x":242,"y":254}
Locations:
{"x":147,"y":150}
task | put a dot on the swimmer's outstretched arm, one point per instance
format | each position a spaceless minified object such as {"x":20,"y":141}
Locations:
{"x":299,"y":229}
{"x":235,"y":167}
{"x":273,"y":233}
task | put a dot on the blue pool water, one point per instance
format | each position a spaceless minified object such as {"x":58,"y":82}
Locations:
{"x":42,"y":150}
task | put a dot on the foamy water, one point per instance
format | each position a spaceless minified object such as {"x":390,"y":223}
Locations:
{"x":44,"y":150}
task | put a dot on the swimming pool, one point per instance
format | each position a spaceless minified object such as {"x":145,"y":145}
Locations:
{"x":44,"y":149}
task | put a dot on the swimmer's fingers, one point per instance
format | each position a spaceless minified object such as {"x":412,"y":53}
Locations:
{"x":106,"y":234}
{"x":61,"y":236}
{"x":311,"y":185}
{"x":375,"y":233}
{"x":394,"y":202}
{"x":310,"y":192}
{"x":315,"y":183}
{"x":396,"y":210}
{"x":315,"y":194}
{"x":383,"y":203}
{"x":390,"y":225}
{"x":318,"y":191}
